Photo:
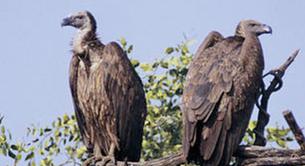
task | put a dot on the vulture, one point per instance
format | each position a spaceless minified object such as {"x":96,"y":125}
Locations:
{"x":222,"y":85}
{"x":108,"y":95}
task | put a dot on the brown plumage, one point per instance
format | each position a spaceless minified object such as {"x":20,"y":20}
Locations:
{"x":108,"y":95}
{"x":220,"y":91}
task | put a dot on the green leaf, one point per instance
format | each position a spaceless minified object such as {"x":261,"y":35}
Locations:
{"x":65,"y":118}
{"x":11,"y":154}
{"x":18,"y":157}
{"x":29,"y":156}
{"x":135,"y":63}
{"x":164,"y":65}
{"x":123,"y":42}
{"x":2,"y":129}
{"x":33,"y":163}
{"x":130,"y":48}
{"x":80,"y":151}
{"x":14,"y":147}
{"x":169,"y":50}
{"x":281,"y":143}
{"x":146,"y":67}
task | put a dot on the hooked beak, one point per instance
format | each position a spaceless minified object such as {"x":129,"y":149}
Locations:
{"x":267,"y":29}
{"x":66,"y":22}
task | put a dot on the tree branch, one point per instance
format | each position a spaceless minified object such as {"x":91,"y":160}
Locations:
{"x":245,"y":155}
{"x":257,"y":155}
{"x":275,"y":85}
{"x":170,"y":160}
{"x":295,"y":128}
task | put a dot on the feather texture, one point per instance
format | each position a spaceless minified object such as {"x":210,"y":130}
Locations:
{"x":219,"y":94}
{"x":108,"y":94}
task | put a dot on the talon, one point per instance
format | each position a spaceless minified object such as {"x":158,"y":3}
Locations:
{"x":108,"y":160}
{"x":88,"y":161}
{"x":98,"y":158}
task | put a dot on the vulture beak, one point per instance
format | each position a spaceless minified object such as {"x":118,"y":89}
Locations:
{"x":267,"y":29}
{"x":66,"y":21}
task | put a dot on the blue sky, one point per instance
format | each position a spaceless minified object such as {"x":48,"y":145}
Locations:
{"x":35,"y":54}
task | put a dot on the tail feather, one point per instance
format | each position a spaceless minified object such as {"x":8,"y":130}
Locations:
{"x":208,"y":145}
{"x":217,"y":146}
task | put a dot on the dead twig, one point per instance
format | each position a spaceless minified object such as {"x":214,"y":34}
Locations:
{"x":295,"y":128}
{"x":275,"y":85}
{"x":257,"y":155}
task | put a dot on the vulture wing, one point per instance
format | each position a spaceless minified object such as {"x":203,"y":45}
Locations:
{"x":212,"y":38}
{"x":78,"y":79}
{"x":120,"y":105}
{"x":207,"y":103}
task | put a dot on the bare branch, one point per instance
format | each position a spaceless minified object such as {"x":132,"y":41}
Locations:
{"x":275,"y":85}
{"x":295,"y":128}
{"x":256,"y":155}
{"x":289,"y":60}
{"x":275,"y":161}
{"x":262,"y":152}
{"x":170,"y":160}
{"x":246,"y":156}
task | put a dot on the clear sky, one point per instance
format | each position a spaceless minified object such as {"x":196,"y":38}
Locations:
{"x":35,"y":54}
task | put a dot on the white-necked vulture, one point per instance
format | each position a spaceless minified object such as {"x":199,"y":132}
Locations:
{"x":108,"y":95}
{"x":222,"y":85}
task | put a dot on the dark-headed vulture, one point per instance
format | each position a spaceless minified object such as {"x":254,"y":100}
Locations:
{"x":222,"y":85}
{"x":108,"y":95}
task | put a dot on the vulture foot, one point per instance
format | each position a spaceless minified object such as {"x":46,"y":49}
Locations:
{"x":88,"y":161}
{"x":107,"y":160}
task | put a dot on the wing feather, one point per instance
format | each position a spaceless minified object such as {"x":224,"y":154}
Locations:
{"x":189,"y":116}
{"x":123,"y":89}
{"x":77,"y":78}
{"x":209,"y":80}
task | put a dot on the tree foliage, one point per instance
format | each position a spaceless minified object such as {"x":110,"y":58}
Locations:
{"x":60,"y":143}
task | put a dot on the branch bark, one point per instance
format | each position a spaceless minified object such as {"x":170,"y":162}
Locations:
{"x":295,"y":128}
{"x":275,"y":85}
{"x":245,"y":155}
{"x":257,"y":155}
{"x":170,"y":160}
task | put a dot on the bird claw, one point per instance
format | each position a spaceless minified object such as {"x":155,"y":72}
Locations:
{"x":105,"y":160}
{"x":88,"y":161}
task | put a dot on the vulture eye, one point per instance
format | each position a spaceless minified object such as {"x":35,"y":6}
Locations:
{"x":80,"y":17}
{"x":252,"y":25}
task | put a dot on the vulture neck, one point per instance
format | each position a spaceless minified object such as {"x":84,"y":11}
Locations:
{"x":253,"y":59}
{"x":82,"y":38}
{"x":81,"y":44}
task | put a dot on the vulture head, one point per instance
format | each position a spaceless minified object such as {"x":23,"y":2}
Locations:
{"x":247,"y":27}
{"x":81,"y":20}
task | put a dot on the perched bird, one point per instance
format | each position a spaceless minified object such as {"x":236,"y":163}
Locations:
{"x":108,"y":95}
{"x":222,"y":85}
